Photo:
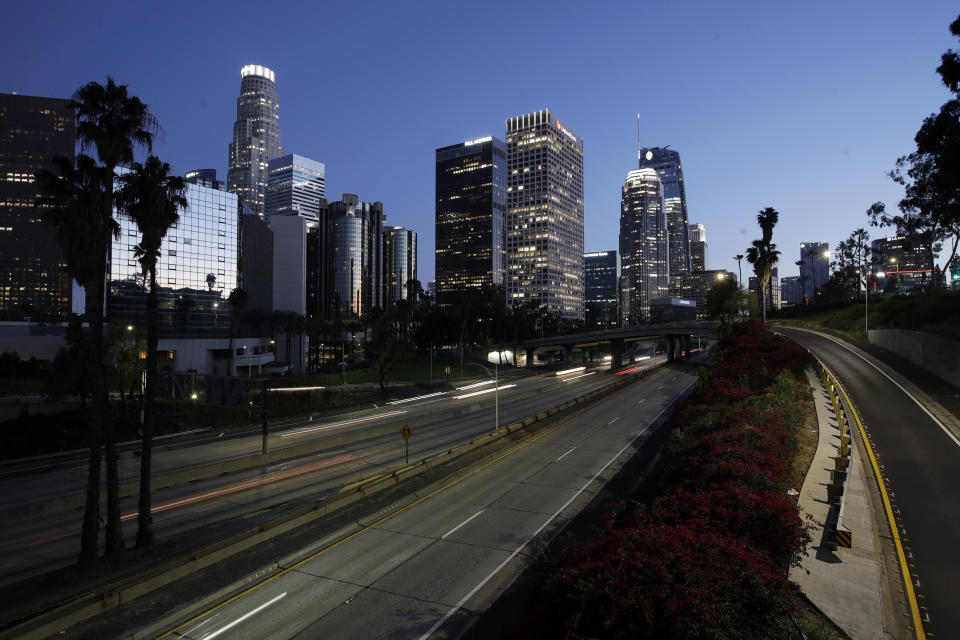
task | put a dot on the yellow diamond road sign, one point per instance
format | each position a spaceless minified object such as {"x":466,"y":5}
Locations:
{"x":406,"y":432}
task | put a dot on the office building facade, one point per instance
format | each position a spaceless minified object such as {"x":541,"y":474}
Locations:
{"x":814,"y":268}
{"x":644,"y":246}
{"x":204,"y":178}
{"x":256,"y":261}
{"x":256,"y":136}
{"x":698,"y":247}
{"x":399,"y":263}
{"x":544,"y":230}
{"x":295,"y":186}
{"x":790,"y":290}
{"x":470,"y":214}
{"x":34,"y":280}
{"x":666,"y":162}
{"x":357,"y":258}
{"x":905,"y":261}
{"x":771,"y":293}
{"x":601,"y":274}
{"x":696,"y":286}
{"x":196,"y":271}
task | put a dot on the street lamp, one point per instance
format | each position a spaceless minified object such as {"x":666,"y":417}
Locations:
{"x":496,"y":392}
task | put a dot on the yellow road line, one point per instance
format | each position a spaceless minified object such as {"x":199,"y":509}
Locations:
{"x":904,"y":568}
{"x":367,"y":528}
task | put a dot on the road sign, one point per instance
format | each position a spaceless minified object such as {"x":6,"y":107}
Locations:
{"x":406,"y":432}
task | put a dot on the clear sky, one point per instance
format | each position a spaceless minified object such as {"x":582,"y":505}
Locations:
{"x":798,"y":106}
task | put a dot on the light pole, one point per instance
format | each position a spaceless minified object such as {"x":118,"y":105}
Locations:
{"x":496,"y":392}
{"x":894,"y":262}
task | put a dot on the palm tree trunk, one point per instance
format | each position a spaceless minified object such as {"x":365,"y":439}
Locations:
{"x":90,"y":530}
{"x":144,"y":516}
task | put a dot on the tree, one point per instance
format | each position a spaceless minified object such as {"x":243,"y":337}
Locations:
{"x":725,"y":302}
{"x":763,"y":255}
{"x":738,"y":258}
{"x":152,"y":198}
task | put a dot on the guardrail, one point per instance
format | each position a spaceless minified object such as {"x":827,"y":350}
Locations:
{"x":54,"y":617}
{"x":836,"y":490}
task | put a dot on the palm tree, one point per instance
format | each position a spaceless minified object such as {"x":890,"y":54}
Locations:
{"x":152,"y":198}
{"x":113,"y":122}
{"x":738,"y":258}
{"x":803,"y":279}
{"x":763,"y":257}
{"x":72,"y":202}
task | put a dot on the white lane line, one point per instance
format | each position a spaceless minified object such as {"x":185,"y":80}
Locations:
{"x":439,"y":623}
{"x":942,"y":426}
{"x":642,"y":400}
{"x":244,"y":617}
{"x":612,"y":421}
{"x":565,"y":455}
{"x":444,"y":536}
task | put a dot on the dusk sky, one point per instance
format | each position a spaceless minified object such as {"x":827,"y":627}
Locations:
{"x":798,"y":106}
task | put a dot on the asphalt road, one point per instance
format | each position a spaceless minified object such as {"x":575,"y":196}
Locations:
{"x":36,"y":544}
{"x":921,"y":459}
{"x":424,"y":571}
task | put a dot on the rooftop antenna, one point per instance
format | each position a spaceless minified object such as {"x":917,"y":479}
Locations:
{"x":639,"y":149}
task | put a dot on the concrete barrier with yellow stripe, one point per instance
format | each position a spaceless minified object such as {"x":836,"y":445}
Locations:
{"x":836,"y":490}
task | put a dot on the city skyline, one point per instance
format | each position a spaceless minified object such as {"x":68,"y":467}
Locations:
{"x":797,"y":122}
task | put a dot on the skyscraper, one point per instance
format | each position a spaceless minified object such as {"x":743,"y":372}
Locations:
{"x":204,"y":178}
{"x":34,"y":281}
{"x":256,"y":136}
{"x":295,"y":186}
{"x":399,"y":263}
{"x":644,"y":250}
{"x":815,"y":267}
{"x":601,"y":274}
{"x":471,"y":205}
{"x":545,"y":214}
{"x":698,"y":247}
{"x":357,"y":259}
{"x":666,"y":162}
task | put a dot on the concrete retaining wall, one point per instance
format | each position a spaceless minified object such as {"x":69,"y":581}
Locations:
{"x":937,"y":354}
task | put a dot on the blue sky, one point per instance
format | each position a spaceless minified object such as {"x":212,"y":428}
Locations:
{"x":798,"y":106}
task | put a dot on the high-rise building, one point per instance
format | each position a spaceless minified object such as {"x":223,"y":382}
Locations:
{"x":905,"y":260}
{"x":204,"y":178}
{"x":771,"y":293}
{"x":290,"y":262}
{"x":698,"y":247}
{"x":545,"y":214}
{"x":357,"y":260}
{"x":601,"y":274}
{"x":814,"y":267}
{"x":644,"y":250}
{"x":471,"y":205}
{"x":295,"y":186}
{"x":791,"y":291}
{"x":256,"y":136}
{"x":399,"y":263}
{"x":256,"y":264}
{"x":196,"y":270}
{"x":34,"y":281}
{"x":697,"y":284}
{"x":666,"y":162}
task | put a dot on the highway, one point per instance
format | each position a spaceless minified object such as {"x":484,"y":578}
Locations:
{"x":32,"y":544}
{"x":921,"y":459}
{"x":426,"y":569}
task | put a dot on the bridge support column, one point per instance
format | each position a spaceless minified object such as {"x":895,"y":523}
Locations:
{"x":529,"y":351}
{"x":616,"y":351}
{"x":685,"y":345}
{"x":671,"y":348}
{"x":568,"y":353}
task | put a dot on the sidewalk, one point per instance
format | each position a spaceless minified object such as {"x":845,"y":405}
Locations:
{"x":843,"y":583}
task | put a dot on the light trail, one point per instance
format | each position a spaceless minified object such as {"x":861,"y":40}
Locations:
{"x":429,"y":395}
{"x":626,"y":371}
{"x":474,"y":385}
{"x":580,"y":376}
{"x":477,"y":393}
{"x":297,"y":389}
{"x":343,"y":423}
{"x":574,"y":370}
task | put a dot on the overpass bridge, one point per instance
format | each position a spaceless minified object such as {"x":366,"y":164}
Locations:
{"x":677,"y":335}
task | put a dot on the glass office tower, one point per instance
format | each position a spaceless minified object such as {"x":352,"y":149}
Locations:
{"x":666,"y":162}
{"x":196,"y":271}
{"x":256,"y":136}
{"x":357,"y":261}
{"x":644,"y":249}
{"x":399,"y":263}
{"x":34,"y":281}
{"x":295,"y":186}
{"x":471,"y":205}
{"x":698,"y":247}
{"x":815,"y":267}
{"x":545,"y":214}
{"x":601,"y":273}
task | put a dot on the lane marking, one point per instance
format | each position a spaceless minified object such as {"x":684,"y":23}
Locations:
{"x":299,"y":432}
{"x":612,"y":421}
{"x":891,"y":520}
{"x":584,"y":375}
{"x":244,"y":617}
{"x":642,"y":400}
{"x":942,"y":426}
{"x":439,"y":623}
{"x":444,"y":536}
{"x":564,"y":455}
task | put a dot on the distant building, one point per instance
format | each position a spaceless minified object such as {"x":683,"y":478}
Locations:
{"x":34,"y":280}
{"x":771,"y":293}
{"x":256,"y":250}
{"x":295,"y":186}
{"x":791,"y":291}
{"x":672,"y":310}
{"x":698,"y":247}
{"x":256,"y":136}
{"x":470,"y":215}
{"x":815,"y":267}
{"x":357,"y":263}
{"x":666,"y":162}
{"x":204,"y":178}
{"x":644,"y":253}
{"x":601,"y":274}
{"x":196,"y":271}
{"x":290,"y":262}
{"x":696,"y":286}
{"x":399,"y":263}
{"x":544,"y":227}
{"x":905,"y":261}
